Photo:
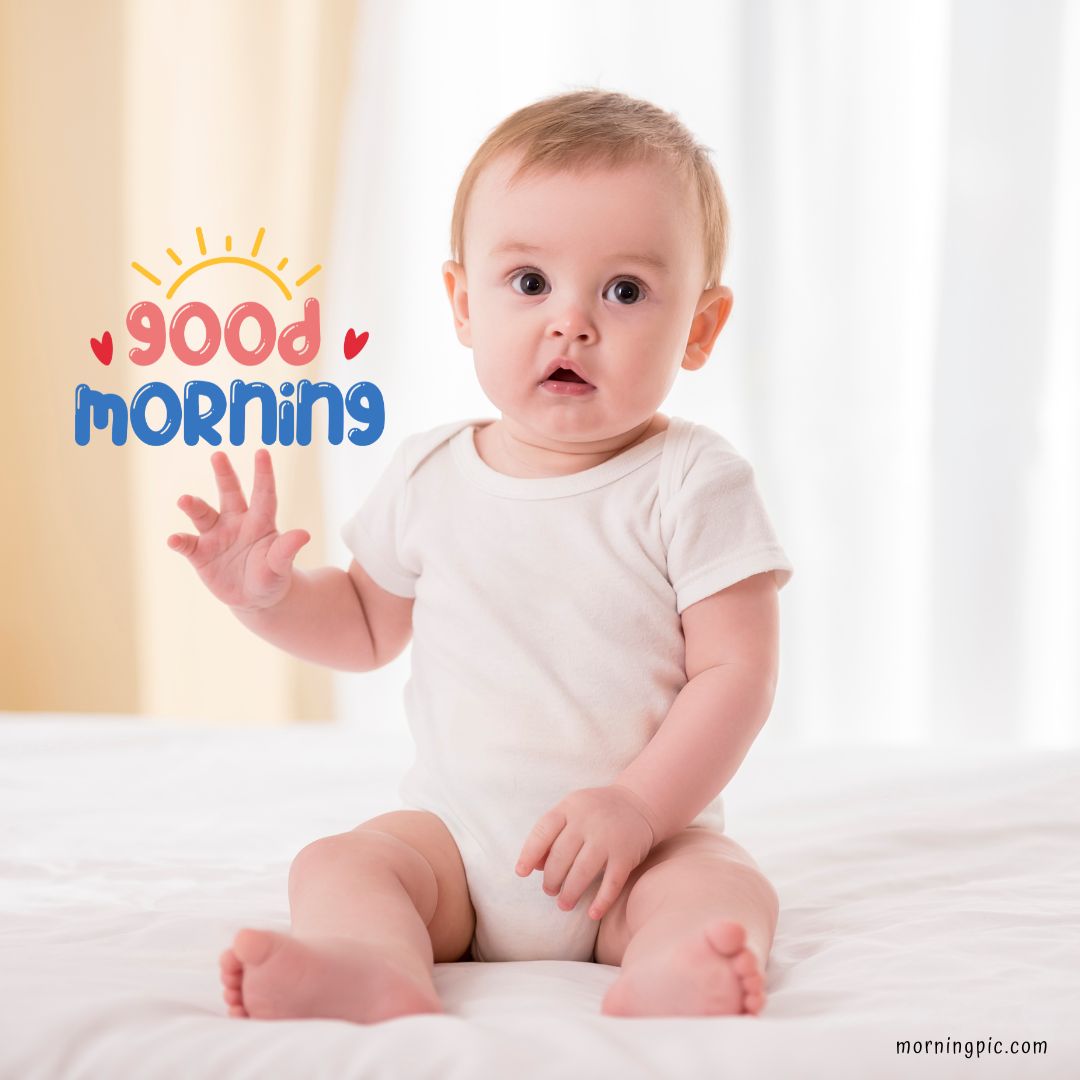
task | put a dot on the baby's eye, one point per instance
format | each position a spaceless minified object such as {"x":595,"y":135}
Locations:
{"x":630,"y":291}
{"x":532,"y":282}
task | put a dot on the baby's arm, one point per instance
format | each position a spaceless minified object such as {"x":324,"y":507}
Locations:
{"x":732,"y":664}
{"x":321,"y":618}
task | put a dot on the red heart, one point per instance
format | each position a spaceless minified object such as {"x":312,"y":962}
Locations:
{"x":354,"y":344}
{"x":103,"y":348}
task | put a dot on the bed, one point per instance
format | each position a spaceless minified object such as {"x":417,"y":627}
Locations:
{"x":928,"y":895}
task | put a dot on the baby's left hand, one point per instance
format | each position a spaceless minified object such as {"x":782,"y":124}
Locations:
{"x":590,"y":828}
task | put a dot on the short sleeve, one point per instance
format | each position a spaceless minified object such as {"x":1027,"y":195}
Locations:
{"x":720,"y":531}
{"x":373,"y":533}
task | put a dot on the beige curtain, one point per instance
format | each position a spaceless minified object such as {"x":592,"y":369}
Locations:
{"x":130,"y":129}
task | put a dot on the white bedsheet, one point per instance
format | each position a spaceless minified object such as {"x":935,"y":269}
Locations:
{"x":925,"y":896}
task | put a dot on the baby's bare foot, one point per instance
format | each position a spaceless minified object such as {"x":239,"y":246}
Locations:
{"x":272,"y":976}
{"x":710,"y":972}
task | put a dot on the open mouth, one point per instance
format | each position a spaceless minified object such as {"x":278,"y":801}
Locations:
{"x":565,"y":375}
{"x":566,"y":379}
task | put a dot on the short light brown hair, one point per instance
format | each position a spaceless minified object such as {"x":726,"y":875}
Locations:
{"x":590,"y":128}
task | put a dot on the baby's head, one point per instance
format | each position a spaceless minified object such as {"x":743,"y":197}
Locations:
{"x":589,"y":226}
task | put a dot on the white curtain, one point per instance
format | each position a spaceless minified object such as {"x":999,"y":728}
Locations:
{"x":901,"y":364}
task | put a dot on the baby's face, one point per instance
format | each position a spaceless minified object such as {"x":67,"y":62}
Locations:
{"x":614,"y":283}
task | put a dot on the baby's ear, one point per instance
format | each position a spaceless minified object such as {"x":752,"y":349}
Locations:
{"x":714,"y":307}
{"x":457,"y":292}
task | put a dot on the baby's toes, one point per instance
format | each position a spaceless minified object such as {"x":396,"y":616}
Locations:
{"x":232,"y":976}
{"x":232,"y":971}
{"x":753,"y":988}
{"x":745,"y":964}
{"x":754,"y":1003}
{"x":234,"y":1000}
{"x":726,"y":937}
{"x":746,"y":967}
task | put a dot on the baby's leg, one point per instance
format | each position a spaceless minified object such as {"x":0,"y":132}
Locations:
{"x":692,"y":930}
{"x":372,"y":910}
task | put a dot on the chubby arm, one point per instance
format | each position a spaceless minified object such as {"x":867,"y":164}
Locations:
{"x":732,"y":665}
{"x":321,"y":618}
{"x":339,"y":618}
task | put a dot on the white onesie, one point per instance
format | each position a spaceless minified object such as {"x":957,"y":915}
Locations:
{"x":547,"y":640}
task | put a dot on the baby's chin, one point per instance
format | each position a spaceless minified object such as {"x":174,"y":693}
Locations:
{"x":581,"y":431}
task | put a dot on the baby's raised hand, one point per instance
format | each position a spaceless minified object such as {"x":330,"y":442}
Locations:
{"x":239,"y":554}
{"x":589,"y":829}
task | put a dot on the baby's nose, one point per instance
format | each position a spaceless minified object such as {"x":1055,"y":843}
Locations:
{"x":573,"y":322}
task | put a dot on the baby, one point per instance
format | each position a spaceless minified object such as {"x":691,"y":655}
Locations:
{"x":591,"y":590}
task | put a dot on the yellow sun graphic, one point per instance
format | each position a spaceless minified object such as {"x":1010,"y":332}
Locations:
{"x":251,"y":261}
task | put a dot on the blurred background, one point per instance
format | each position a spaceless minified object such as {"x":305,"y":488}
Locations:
{"x":901,"y":366}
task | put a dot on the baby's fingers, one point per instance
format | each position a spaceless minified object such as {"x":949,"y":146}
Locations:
{"x":184,"y":543}
{"x":539,"y":841}
{"x":263,"y":493}
{"x":232,"y":496}
{"x":582,"y":874}
{"x":203,"y":516}
{"x":615,"y":877}
{"x":280,"y":555}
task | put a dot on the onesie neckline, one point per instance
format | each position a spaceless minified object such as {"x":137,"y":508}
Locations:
{"x":473,"y":466}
